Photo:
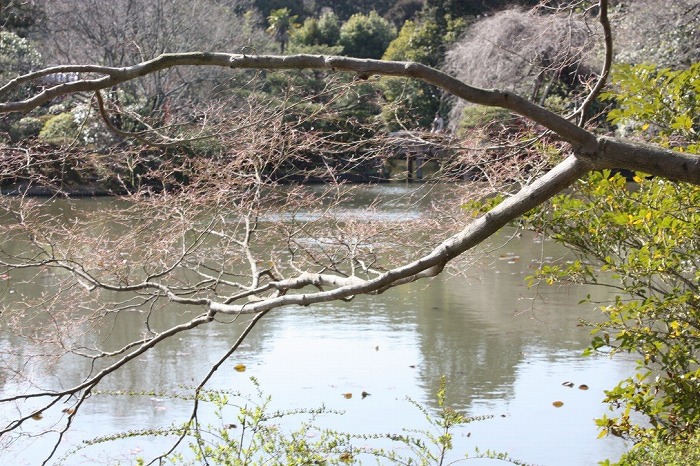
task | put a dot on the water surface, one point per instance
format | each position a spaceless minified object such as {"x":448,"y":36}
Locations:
{"x":504,"y":349}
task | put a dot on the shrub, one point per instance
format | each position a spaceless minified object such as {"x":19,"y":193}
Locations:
{"x":25,"y":128}
{"x":644,"y":240}
{"x":60,"y":129}
{"x":366,"y":36}
{"x":657,"y":453}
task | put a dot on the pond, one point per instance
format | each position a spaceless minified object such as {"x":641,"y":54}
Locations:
{"x":505,"y":350}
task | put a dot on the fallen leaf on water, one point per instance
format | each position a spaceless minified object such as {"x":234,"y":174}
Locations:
{"x":558,"y":404}
{"x":239,"y":367}
{"x":347,"y":395}
{"x":583,"y":386}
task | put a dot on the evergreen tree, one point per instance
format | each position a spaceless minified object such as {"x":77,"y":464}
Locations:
{"x":366,"y":36}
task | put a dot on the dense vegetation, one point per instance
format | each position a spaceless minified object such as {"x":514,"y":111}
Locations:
{"x":88,"y":31}
{"x":643,"y":241}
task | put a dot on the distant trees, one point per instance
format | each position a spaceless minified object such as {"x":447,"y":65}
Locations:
{"x":281,"y":22}
{"x":461,"y":8}
{"x":266,"y":7}
{"x":115,"y":33}
{"x":542,"y":56}
{"x":123,"y":31}
{"x":403,"y":10}
{"x":366,"y":36}
{"x":413,"y":101}
{"x":23,"y":17}
{"x":675,"y":44}
{"x":346,"y":8}
{"x":321,"y":33}
{"x":422,"y":41}
{"x":17,"y":55}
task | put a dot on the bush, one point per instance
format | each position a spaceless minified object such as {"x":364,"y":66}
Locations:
{"x":657,"y":453}
{"x":26,"y":128}
{"x":256,"y":436}
{"x":60,"y":129}
{"x":644,"y":239}
{"x":17,"y":56}
{"x":366,"y":36}
{"x":481,"y":117}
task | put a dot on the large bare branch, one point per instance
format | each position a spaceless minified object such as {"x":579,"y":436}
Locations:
{"x":664,"y":163}
{"x":590,"y":152}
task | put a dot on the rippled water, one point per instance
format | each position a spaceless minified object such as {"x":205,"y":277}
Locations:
{"x":504,"y":349}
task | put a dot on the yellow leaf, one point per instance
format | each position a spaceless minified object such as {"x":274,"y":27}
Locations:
{"x":239,"y":367}
{"x":347,"y":395}
{"x":558,"y":404}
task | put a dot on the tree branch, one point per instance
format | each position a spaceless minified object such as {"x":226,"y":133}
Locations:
{"x":559,"y":178}
{"x":670,"y":164}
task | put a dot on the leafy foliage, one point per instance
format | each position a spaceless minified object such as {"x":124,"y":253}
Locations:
{"x":417,"y":101}
{"x":59,"y":129}
{"x":366,"y":36}
{"x":643,"y":241}
{"x":424,"y":42}
{"x":281,"y":21}
{"x":319,"y":31}
{"x":661,"y":104}
{"x":658,"y":453}
{"x":17,"y":56}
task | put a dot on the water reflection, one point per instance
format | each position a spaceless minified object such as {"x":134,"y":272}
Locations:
{"x":505,"y":350}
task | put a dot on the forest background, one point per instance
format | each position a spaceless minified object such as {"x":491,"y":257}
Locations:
{"x":552,"y":64}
